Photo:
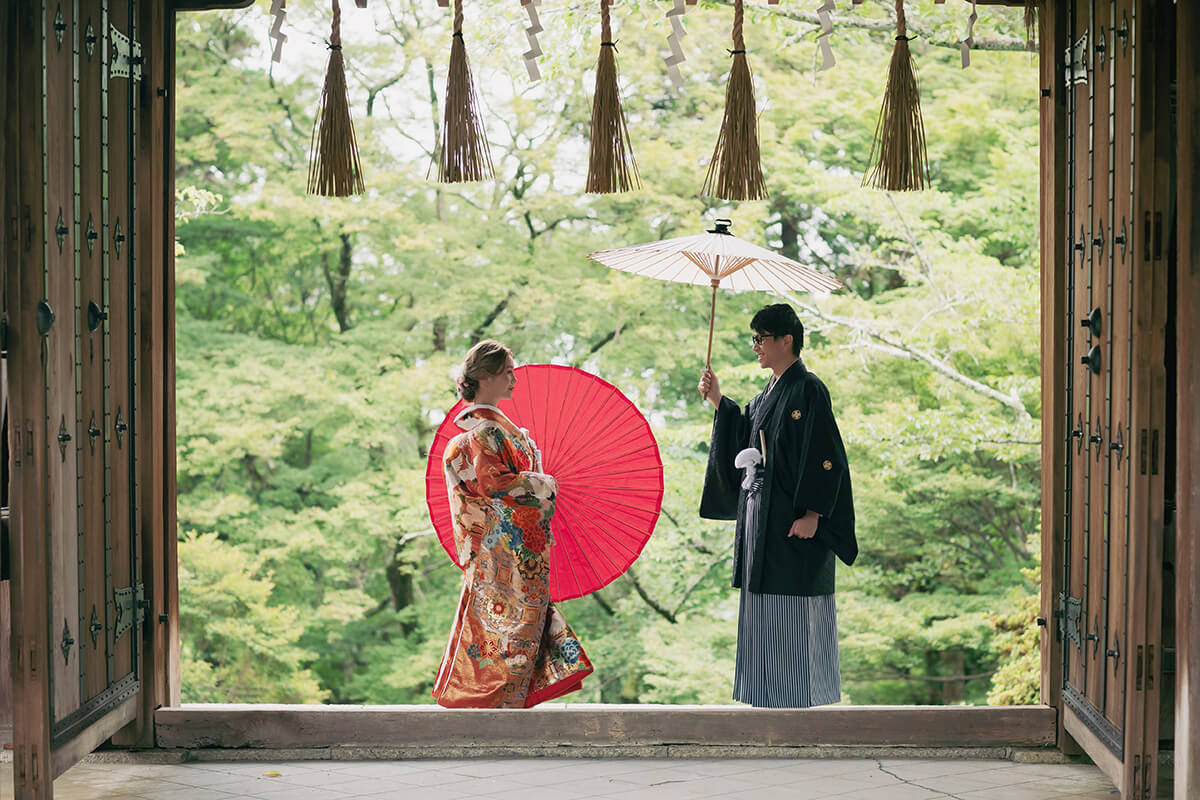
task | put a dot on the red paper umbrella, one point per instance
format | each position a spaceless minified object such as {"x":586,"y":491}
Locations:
{"x":599,"y":448}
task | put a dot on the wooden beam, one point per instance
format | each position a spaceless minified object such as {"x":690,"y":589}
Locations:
{"x":1187,"y":561}
{"x":69,"y":753}
{"x":208,"y":5}
{"x":1103,"y":758}
{"x":275,"y":727}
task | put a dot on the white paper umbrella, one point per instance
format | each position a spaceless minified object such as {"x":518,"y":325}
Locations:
{"x":717,"y":259}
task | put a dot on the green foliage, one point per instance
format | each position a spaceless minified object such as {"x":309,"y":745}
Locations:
{"x":237,"y":646}
{"x":316,"y":339}
{"x":1017,"y":680}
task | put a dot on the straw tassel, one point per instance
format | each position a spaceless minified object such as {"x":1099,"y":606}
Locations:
{"x":334,"y":168}
{"x":1031,"y":21}
{"x":611,"y":166}
{"x":900,"y":132}
{"x":465,"y":155}
{"x":735,"y":172}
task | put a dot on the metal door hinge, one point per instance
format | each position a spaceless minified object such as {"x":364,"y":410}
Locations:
{"x":127,"y":61}
{"x":1074,"y":609}
{"x":130,"y":606}
{"x":1075,"y":70}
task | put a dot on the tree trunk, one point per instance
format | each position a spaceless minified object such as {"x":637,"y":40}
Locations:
{"x":953,"y":663}
{"x":338,"y":281}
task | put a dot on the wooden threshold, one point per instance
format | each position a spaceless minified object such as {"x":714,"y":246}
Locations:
{"x":301,"y":726}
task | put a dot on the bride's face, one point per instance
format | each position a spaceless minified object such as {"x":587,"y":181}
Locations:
{"x":499,"y":386}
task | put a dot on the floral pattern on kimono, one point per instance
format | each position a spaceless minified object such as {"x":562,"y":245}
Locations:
{"x":509,"y":646}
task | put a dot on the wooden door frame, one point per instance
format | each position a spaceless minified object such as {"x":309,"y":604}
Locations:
{"x":1187,"y":557}
{"x":1052,"y":20}
{"x":157,"y":373}
{"x":156,"y":473}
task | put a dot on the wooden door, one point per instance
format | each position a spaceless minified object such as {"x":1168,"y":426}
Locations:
{"x":69,"y":312}
{"x":1115,"y":57}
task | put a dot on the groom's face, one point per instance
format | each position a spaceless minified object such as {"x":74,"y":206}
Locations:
{"x":772,"y":350}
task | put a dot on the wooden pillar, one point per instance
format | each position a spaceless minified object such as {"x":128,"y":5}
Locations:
{"x":1187,"y":596}
{"x":6,"y":697}
{"x":23,"y":234}
{"x":1053,"y":200}
{"x":171,"y":672}
{"x":156,"y":440}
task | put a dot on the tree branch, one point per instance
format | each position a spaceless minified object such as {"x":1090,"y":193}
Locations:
{"x":688,"y":593}
{"x":481,"y":328}
{"x":669,"y":616}
{"x":893,"y":346}
{"x":926,"y":267}
{"x":996,"y":43}
{"x":600,"y":601}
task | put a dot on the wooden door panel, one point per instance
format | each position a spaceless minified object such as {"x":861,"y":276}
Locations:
{"x":91,"y":326}
{"x":1078,"y":383}
{"x":1115,"y":384}
{"x":70,"y":303}
{"x":59,"y":383}
{"x":1114,"y":636}
{"x":119,"y":415}
{"x":1095,"y":591}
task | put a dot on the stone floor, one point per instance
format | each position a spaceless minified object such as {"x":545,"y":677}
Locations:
{"x":571,"y":779}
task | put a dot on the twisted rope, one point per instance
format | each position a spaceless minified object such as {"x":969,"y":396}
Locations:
{"x":739,"y":43}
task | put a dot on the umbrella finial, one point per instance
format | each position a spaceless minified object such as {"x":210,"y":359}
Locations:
{"x":722,"y":226}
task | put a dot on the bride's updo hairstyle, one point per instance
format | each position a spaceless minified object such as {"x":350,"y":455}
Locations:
{"x":484,"y":360}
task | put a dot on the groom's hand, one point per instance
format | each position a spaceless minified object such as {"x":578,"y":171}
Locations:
{"x":806,"y":526}
{"x":710,"y":387}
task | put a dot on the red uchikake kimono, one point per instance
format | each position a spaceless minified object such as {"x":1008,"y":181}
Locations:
{"x":509,"y":646}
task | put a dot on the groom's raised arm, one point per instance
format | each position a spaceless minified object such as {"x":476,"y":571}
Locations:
{"x":722,"y":480}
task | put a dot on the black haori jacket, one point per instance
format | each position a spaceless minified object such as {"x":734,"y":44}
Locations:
{"x":805,"y":469}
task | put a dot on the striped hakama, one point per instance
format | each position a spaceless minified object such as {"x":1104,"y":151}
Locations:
{"x":787,"y":649}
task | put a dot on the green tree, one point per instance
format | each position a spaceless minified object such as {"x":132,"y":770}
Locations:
{"x":316,"y":339}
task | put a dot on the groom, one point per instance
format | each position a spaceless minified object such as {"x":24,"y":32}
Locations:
{"x":779,"y":468}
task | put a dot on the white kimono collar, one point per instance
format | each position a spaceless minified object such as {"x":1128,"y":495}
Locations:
{"x":476,"y":407}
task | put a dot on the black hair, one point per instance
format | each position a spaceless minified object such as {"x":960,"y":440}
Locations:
{"x":780,"y":319}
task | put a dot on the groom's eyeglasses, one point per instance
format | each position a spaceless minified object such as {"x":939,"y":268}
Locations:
{"x":758,"y":339}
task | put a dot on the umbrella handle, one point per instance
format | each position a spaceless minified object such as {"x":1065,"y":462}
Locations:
{"x":712,"y":314}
